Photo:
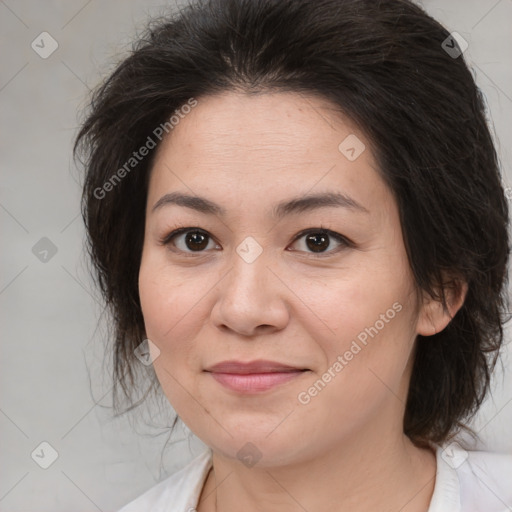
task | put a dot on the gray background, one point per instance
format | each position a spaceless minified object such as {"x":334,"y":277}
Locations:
{"x":54,"y":374}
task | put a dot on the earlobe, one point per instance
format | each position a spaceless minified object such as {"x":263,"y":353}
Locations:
{"x":433,"y":317}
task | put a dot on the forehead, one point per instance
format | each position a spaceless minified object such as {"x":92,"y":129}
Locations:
{"x":265,"y":146}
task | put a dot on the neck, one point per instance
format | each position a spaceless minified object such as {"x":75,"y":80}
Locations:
{"x":388,"y":474}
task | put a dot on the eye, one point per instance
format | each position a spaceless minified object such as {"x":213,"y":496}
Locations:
{"x":188,"y":240}
{"x":316,"y":241}
{"x":319,"y":240}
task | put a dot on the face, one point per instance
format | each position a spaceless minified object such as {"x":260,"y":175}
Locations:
{"x":310,"y":303}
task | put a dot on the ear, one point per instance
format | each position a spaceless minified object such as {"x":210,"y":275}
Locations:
{"x":433,"y":318}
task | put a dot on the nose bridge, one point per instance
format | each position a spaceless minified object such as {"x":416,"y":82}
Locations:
{"x":250,"y":263}
{"x":248,"y":296}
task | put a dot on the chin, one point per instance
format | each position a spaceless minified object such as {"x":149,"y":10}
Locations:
{"x":254,"y":446}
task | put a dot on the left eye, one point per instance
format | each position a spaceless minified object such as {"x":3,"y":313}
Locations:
{"x":318,"y":241}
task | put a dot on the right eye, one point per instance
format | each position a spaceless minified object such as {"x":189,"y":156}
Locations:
{"x":192,"y":240}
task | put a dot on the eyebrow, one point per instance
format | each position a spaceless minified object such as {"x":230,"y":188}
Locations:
{"x":289,"y":207}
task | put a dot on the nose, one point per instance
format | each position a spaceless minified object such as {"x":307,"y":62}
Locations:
{"x":252,"y":299}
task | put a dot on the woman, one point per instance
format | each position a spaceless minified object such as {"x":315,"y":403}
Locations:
{"x":295,"y":206}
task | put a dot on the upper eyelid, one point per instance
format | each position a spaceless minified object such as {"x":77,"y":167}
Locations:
{"x":330,"y":232}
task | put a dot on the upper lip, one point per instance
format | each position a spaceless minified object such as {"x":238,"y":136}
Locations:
{"x":259,"y":366}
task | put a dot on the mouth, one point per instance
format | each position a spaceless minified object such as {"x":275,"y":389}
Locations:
{"x":254,"y":376}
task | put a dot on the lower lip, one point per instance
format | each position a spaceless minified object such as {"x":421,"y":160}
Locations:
{"x":254,"y":382}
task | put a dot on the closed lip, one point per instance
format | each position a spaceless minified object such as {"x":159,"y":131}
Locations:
{"x":253,"y":367}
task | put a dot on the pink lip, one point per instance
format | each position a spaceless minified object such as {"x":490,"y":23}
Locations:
{"x":253,"y":377}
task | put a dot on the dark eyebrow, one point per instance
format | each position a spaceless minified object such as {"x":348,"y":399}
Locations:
{"x":312,"y":202}
{"x":296,"y":205}
{"x":197,"y":203}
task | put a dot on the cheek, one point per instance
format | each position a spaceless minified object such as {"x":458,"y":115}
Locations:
{"x":167,"y":307}
{"x":166,"y":297}
{"x":170,"y":318}
{"x":358,"y":304}
{"x":370,"y":333}
{"x":365,"y":369}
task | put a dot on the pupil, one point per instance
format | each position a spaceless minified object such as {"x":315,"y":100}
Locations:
{"x":320,"y":243}
{"x":197,"y":238}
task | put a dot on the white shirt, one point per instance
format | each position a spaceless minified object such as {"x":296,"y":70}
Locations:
{"x":474,"y":481}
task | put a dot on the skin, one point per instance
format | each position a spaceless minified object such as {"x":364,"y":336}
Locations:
{"x":345,"y":449}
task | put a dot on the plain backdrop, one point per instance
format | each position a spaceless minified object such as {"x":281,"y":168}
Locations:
{"x":54,"y":387}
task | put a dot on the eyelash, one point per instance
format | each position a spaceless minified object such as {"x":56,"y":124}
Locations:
{"x":345,"y":242}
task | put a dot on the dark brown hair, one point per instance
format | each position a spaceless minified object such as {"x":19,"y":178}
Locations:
{"x":383,"y":64}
